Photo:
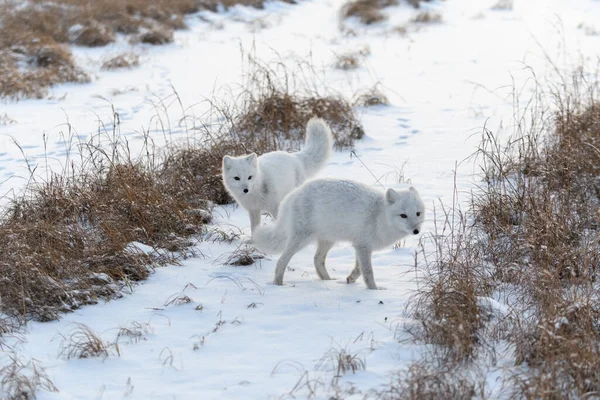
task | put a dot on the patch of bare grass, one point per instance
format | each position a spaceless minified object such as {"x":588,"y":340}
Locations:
{"x":371,"y":12}
{"x":371,"y":97}
{"x":274,"y":116}
{"x":453,"y":279}
{"x":64,"y":243}
{"x":155,"y":36}
{"x":426,"y":381}
{"x":540,"y":207}
{"x":367,"y":11}
{"x":124,"y":60}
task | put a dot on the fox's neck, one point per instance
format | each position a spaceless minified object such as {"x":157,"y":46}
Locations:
{"x":386,"y":234}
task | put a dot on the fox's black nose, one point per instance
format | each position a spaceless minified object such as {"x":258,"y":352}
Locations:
{"x":245,"y":190}
{"x":416,"y":231}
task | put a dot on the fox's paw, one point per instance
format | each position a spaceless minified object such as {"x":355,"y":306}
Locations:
{"x":350,"y":280}
{"x":278,"y":281}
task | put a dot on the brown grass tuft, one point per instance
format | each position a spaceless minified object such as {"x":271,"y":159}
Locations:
{"x":273,"y":116}
{"x":124,"y":60}
{"x":427,"y":17}
{"x":92,"y":35}
{"x":371,"y":97}
{"x":367,"y":11}
{"x":427,"y":381}
{"x":82,"y":342}
{"x":155,"y":36}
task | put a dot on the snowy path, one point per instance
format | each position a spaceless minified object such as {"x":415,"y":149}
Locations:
{"x":443,"y":81}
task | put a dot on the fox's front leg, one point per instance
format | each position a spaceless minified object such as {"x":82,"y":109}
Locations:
{"x":254,"y":219}
{"x":363,"y":255}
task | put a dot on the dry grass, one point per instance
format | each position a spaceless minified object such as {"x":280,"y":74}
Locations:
{"x":64,"y":243}
{"x":367,"y":11}
{"x":371,"y":11}
{"x":341,"y":361}
{"x":82,"y":342}
{"x":446,"y":305}
{"x":426,"y":381}
{"x":347,"y":61}
{"x":242,"y":256}
{"x":273,"y":116}
{"x":371,"y":97}
{"x":532,"y":240}
{"x":427,"y":17}
{"x":20,"y":380}
{"x":540,"y":209}
{"x":154,"y":36}
{"x":124,"y":60}
{"x":178,"y":299}
{"x":135,"y":331}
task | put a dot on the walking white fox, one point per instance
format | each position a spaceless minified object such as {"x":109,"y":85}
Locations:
{"x":260,"y":183}
{"x":331,"y":210}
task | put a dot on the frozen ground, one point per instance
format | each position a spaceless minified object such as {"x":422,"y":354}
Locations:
{"x":252,"y":340}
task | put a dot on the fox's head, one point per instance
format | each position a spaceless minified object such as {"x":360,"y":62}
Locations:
{"x":240,"y":173}
{"x":405,"y":210}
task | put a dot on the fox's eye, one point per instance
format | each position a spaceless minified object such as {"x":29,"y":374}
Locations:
{"x":418,"y":214}
{"x":250,"y":177}
{"x":237,"y":178}
{"x":404,"y":215}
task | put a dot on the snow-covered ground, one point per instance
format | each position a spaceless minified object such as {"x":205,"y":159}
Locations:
{"x":250,"y":339}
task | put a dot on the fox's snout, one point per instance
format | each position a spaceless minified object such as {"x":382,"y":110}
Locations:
{"x":245,"y":190}
{"x":416,"y":231}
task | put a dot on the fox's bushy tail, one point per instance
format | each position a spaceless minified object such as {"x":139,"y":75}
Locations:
{"x":270,"y":239}
{"x":317,"y":146}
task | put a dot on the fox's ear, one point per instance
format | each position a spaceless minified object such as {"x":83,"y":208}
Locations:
{"x":412,"y":189}
{"x":391,"y":196}
{"x":252,"y":158}
{"x":227,"y":162}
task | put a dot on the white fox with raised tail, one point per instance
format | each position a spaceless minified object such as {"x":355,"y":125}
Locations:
{"x":332,"y":210}
{"x":260,"y":183}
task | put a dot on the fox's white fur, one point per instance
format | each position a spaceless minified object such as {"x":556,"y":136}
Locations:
{"x":331,"y":210}
{"x":260,"y":183}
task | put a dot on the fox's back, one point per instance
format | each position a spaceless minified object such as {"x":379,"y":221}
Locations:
{"x":340,"y":209}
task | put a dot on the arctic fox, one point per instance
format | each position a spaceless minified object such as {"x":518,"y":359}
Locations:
{"x":331,"y":210}
{"x":260,"y":183}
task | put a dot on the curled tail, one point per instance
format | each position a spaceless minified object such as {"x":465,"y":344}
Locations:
{"x":317,"y":147}
{"x":271,"y":238}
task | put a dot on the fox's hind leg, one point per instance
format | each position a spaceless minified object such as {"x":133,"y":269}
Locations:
{"x":355,"y":272}
{"x":323,"y":247}
{"x":294,"y":245}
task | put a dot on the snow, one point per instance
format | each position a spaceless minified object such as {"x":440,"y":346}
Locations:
{"x":241,"y":337}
